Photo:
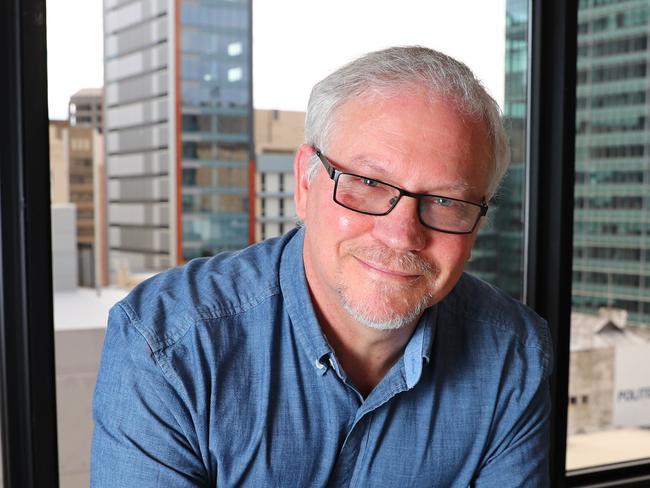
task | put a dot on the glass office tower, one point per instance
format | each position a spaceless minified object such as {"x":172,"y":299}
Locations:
{"x":498,"y":254}
{"x":178,"y":129}
{"x":216,"y":125}
{"x":611,"y":265}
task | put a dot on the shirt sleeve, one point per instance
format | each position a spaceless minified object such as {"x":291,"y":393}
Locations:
{"x":519,"y":457}
{"x":143,"y":433}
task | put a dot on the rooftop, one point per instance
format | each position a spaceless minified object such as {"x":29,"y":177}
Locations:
{"x":84,"y":308}
{"x":608,"y":328}
{"x":88,"y":92}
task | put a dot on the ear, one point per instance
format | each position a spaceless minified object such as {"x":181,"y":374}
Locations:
{"x":300,"y":170}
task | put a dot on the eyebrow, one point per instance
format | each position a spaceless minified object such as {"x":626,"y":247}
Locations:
{"x":367,"y":163}
{"x":379,"y":168}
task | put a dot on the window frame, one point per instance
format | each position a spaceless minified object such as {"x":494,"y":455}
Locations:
{"x":27,"y":374}
{"x":553,"y":31}
{"x":549,"y":223}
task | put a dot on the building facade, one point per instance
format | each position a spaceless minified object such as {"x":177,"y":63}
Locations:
{"x":178,"y":129}
{"x":275,"y":211}
{"x":59,"y":161}
{"x":277,"y":136}
{"x":86,"y":179}
{"x":611,"y":265}
{"x":85,"y":108}
{"x":77,"y":177}
{"x":608,"y":384}
{"x":498,"y":256}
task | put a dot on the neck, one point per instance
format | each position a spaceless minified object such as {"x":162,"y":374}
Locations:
{"x":366,"y":354}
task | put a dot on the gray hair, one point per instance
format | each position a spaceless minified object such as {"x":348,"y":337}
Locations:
{"x":397,"y":68}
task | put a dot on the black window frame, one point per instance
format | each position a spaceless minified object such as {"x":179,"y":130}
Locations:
{"x":27,"y":375}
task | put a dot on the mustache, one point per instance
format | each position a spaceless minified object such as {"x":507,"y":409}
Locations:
{"x":407,"y":262}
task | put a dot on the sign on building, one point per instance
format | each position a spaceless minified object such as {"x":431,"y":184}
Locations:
{"x":632,"y":386}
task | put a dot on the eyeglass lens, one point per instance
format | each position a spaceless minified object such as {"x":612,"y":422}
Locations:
{"x":374,"y":197}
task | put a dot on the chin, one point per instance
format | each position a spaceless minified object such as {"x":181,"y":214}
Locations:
{"x":387,"y":311}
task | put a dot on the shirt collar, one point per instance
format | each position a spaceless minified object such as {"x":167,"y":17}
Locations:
{"x":418,"y":348}
{"x":297,"y":299}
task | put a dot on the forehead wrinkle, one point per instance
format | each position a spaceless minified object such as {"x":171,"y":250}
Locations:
{"x":370,"y":164}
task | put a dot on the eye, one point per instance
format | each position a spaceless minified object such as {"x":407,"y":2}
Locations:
{"x":445,"y":202}
{"x":369,"y":182}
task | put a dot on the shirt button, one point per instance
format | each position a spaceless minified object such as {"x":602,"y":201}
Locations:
{"x":318,"y":364}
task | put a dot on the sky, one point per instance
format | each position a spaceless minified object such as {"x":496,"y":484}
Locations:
{"x":298,"y":42}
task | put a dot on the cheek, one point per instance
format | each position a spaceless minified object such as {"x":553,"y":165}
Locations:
{"x":450,"y":251}
{"x":341,"y":222}
{"x":344,"y":223}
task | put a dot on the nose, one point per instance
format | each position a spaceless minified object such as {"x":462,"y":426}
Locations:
{"x":401,"y":229}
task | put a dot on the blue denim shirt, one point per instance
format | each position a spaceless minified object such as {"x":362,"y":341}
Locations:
{"x":217,"y":373}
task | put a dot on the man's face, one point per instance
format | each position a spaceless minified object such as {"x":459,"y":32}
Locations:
{"x":384,"y":270}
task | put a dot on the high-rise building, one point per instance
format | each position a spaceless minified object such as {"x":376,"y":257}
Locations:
{"x":59,"y":131}
{"x":279,"y":131}
{"x":85,"y":173}
{"x":611,"y":265}
{"x":85,"y":108}
{"x":77,"y":177}
{"x":498,"y":254}
{"x":277,"y":136}
{"x":178,"y":129}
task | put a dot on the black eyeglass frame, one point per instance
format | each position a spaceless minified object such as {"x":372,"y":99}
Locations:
{"x":334,"y":174}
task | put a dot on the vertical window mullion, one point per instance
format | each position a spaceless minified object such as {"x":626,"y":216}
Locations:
{"x":551,"y":185}
{"x":27,"y":391}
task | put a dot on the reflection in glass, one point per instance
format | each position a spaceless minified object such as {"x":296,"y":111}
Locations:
{"x":609,"y":382}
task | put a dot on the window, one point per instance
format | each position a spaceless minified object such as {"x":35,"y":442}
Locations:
{"x":600,"y":24}
{"x":624,"y":229}
{"x":499,"y":250}
{"x":232,"y":124}
{"x":234,"y":49}
{"x":609,"y":318}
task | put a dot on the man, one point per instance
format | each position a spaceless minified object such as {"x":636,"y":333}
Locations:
{"x":353,"y":351}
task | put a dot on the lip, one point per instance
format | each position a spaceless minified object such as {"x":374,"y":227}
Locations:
{"x":386,"y":272}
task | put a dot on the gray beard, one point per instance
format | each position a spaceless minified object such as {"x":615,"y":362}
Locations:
{"x":381,"y":318}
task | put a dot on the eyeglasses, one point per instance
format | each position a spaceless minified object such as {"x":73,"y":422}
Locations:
{"x":373,"y":197}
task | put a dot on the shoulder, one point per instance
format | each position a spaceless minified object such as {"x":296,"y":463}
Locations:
{"x":487,"y":309}
{"x":166,"y":306}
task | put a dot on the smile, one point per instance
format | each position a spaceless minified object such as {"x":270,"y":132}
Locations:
{"x":384,"y":272}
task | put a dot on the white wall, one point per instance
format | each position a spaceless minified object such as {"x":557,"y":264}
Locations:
{"x":632,"y":386}
{"x":64,"y":246}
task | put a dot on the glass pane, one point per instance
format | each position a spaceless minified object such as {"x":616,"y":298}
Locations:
{"x":609,"y":385}
{"x":148,"y":170}
{"x":78,"y":238}
{"x":151,"y":118}
{"x":498,"y":256}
